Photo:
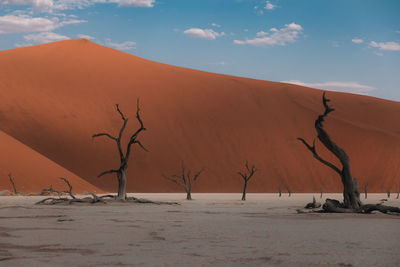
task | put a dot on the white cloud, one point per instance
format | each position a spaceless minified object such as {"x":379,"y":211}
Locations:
{"x":215,"y":25}
{"x":269,"y":6}
{"x":134,"y":3}
{"x":85,"y":36}
{"x":289,"y":34}
{"x":207,"y":34}
{"x":25,"y":23}
{"x":357,"y":41}
{"x":44,"y":37}
{"x":128,"y":45}
{"x":49,"y":5}
{"x":388,"y":46}
{"x":349,"y":87}
{"x":22,"y":23}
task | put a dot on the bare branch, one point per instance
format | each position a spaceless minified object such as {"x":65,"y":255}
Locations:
{"x":197,"y":174}
{"x":173,"y":180}
{"x":12,"y":183}
{"x":106,"y":172}
{"x":69,"y":187}
{"x":120,"y":112}
{"x":313,"y":150}
{"x":105,"y":134}
{"x":140,"y":144}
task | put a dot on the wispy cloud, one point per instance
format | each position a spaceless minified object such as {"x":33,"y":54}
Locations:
{"x":288,"y":34}
{"x":349,"y":87}
{"x":128,"y":45}
{"x":85,"y":36}
{"x":269,"y":6}
{"x":50,"y":5}
{"x":26,"y":23}
{"x":357,"y":40}
{"x":42,"y":37}
{"x":207,"y":34}
{"x":388,"y":46}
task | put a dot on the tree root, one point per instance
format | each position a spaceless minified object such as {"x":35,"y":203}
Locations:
{"x":334,"y":206}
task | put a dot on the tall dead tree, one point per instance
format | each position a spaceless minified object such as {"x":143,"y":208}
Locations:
{"x":247,"y":175}
{"x":280,"y":190}
{"x":351,"y":193}
{"x":185,"y":180}
{"x":124,"y":157}
{"x":398,"y":191}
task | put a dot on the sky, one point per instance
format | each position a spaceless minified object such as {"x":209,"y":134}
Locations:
{"x":340,"y":45}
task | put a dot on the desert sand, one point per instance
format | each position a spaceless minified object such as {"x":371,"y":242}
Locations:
{"x":54,"y":97}
{"x":32,"y":172}
{"x":213,"y":229}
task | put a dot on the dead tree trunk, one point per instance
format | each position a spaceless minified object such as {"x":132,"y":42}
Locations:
{"x":351,"y":193}
{"x":365,"y":190}
{"x":321,"y":192}
{"x":124,"y":157}
{"x":185,"y":180}
{"x":398,"y":191}
{"x":13,"y":184}
{"x":388,"y":192}
{"x":288,"y":190}
{"x":280,"y":190}
{"x":247,"y":175}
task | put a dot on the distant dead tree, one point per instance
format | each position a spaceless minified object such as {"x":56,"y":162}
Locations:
{"x":388,"y":192}
{"x":12,"y":183}
{"x":185,"y":180}
{"x":398,"y":191}
{"x":247,"y":175}
{"x":351,"y":192}
{"x":288,"y":190}
{"x":124,"y":157}
{"x":321,"y":190}
{"x":365,"y":190}
{"x":280,"y":190}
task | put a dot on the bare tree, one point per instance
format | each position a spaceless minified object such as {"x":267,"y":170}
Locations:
{"x":185,"y":180}
{"x":388,"y":192}
{"x":351,"y":193}
{"x":12,"y":183}
{"x":280,"y":190}
{"x":124,"y":157}
{"x":247,"y":175}
{"x":365,"y":190}
{"x":321,"y":190}
{"x":288,"y":190}
{"x":398,"y":191}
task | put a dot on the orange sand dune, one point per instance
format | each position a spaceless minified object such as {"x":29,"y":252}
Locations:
{"x":55,"y":96}
{"x":33,"y":172}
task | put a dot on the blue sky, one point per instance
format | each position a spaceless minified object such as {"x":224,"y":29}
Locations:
{"x":344,"y":45}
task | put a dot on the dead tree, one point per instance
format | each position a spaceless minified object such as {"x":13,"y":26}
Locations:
{"x":398,"y":191}
{"x":280,"y":190}
{"x":124,"y":157}
{"x":388,"y":192}
{"x":365,"y":190}
{"x":185,"y":180}
{"x":288,"y":190}
{"x":351,"y":193}
{"x":247,"y":175}
{"x":321,"y":190}
{"x":13,"y":184}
